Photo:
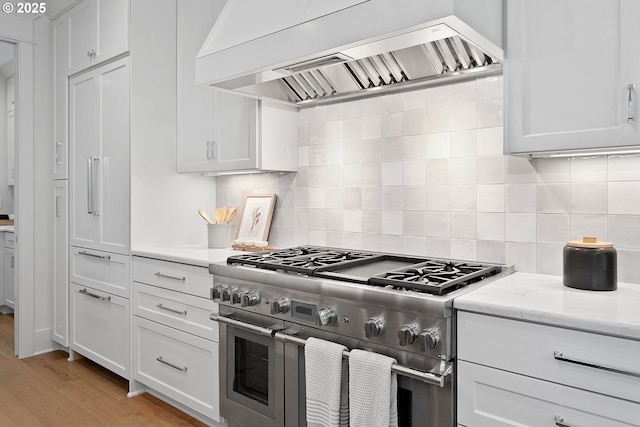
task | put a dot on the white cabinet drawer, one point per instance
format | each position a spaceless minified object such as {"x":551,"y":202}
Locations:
{"x":179,"y":365}
{"x":105,"y":271}
{"x":609,"y":365}
{"x":9,"y":239}
{"x":100,"y":328}
{"x":492,"y":398}
{"x":181,"y":311}
{"x":171,"y":275}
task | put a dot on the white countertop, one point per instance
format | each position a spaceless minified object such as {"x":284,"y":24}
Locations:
{"x":198,"y":255}
{"x":10,"y":228}
{"x":543,"y":298}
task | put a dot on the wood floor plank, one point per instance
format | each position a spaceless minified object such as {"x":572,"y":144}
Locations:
{"x":49,"y":391}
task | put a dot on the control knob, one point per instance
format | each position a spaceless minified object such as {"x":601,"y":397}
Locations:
{"x":428,"y":340}
{"x":216,"y":292}
{"x":374,"y":327}
{"x":236,"y":296}
{"x":280,"y":306}
{"x":326,"y":316}
{"x":407,"y":335}
{"x":226,"y":293}
{"x":249,"y":299}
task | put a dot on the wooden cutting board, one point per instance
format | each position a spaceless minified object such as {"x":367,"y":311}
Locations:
{"x":252,"y":248}
{"x":6,"y":222}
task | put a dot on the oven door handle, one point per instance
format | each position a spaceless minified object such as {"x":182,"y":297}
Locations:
{"x":242,"y":325}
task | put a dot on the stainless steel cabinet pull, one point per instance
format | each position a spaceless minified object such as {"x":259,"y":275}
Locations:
{"x":161,"y":360}
{"x":57,"y":206}
{"x":172,"y":310}
{"x":214,"y":149}
{"x":85,"y":253}
{"x":558,"y":355}
{"x":58,"y":146}
{"x":631,"y":90}
{"x":89,"y":294}
{"x":166,"y":276}
{"x":90,"y":185}
{"x":94,"y":184}
{"x":13,"y":262}
{"x":560,"y":422}
{"x":208,"y":150}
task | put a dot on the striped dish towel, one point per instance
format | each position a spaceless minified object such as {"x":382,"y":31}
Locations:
{"x":326,"y":381}
{"x":373,"y":390}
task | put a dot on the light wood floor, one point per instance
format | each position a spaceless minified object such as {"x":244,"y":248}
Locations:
{"x":48,"y":390}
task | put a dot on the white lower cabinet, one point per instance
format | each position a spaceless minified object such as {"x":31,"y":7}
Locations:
{"x":181,"y":366}
{"x":9,"y":276}
{"x":100,"y":327}
{"x":517,"y":373}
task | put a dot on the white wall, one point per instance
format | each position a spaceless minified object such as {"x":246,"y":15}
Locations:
{"x":422,"y":172}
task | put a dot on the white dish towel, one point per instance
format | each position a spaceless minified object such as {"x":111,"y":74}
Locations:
{"x":373,"y":388}
{"x":326,"y":377}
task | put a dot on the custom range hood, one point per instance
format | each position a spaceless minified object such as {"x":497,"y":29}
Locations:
{"x":317,"y":51}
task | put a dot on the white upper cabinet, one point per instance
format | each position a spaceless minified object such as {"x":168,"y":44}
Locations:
{"x":60,"y":141}
{"x":218,"y":131}
{"x":570,"y":71}
{"x":98,"y":30}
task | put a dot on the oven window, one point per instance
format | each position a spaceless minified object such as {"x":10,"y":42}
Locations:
{"x":251,"y":376}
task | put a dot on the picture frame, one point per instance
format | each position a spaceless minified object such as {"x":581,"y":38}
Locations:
{"x":256,"y":216}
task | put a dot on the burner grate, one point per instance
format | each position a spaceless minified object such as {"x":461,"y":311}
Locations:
{"x":310,"y":263}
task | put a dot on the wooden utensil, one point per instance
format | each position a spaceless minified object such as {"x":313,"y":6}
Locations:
{"x":219,"y":214}
{"x":204,"y":215}
{"x":231,"y":213}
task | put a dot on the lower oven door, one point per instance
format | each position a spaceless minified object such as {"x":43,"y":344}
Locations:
{"x":251,"y":374}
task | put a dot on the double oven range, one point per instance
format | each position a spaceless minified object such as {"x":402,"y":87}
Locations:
{"x":399,"y":306}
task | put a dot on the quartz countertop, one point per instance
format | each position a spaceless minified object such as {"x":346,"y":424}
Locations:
{"x":198,"y":255}
{"x":543,"y":298}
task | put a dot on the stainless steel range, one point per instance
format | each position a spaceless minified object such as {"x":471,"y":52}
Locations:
{"x":400,"y":306}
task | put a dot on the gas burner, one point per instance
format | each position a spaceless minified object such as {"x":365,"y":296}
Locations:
{"x":261,"y":259}
{"x":313,"y":262}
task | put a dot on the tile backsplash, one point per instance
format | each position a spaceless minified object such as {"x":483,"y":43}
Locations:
{"x":423,"y":172}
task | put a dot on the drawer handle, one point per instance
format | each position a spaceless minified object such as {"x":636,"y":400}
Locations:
{"x":89,"y":294}
{"x":166,"y":276}
{"x":173,"y":310}
{"x":161,"y":360}
{"x":85,"y":253}
{"x":560,"y":422}
{"x":558,"y":355}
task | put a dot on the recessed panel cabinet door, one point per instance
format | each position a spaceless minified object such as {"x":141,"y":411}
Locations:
{"x":235,"y":122}
{"x":570,"y":67}
{"x":60,"y":333}
{"x":60,"y":148}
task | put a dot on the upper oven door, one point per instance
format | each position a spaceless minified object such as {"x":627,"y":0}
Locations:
{"x":251,"y":376}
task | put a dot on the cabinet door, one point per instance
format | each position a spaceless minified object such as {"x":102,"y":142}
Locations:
{"x":83,"y":36}
{"x":11,"y":139}
{"x":9,"y":277}
{"x":113,"y":28}
{"x":567,"y":69}
{"x":100,"y":328}
{"x":60,"y":149}
{"x":61,"y":263}
{"x":235,"y":123}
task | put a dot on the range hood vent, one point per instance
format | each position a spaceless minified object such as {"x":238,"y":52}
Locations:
{"x":422,"y":50}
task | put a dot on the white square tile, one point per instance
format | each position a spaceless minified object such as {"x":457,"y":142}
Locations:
{"x":372,"y":151}
{"x":352,"y":109}
{"x":521,"y":198}
{"x":413,"y":122}
{"x":317,"y":134}
{"x":301,"y":197}
{"x":521,"y":227}
{"x":491,"y":226}
{"x":301,"y":177}
{"x":371,"y":127}
{"x":391,"y":103}
{"x":371,"y":106}
{"x":463,"y":225}
{"x":554,"y":198}
{"x":463,"y":143}
{"x":335,"y":198}
{"x":352,"y":152}
{"x":391,"y":243}
{"x":464,"y":198}
{"x":414,"y":172}
{"x":624,"y":198}
{"x":491,"y":198}
{"x":392,"y":173}
{"x":628,"y":270}
{"x":392,"y":149}
{"x":352,"y":198}
{"x":318,"y":114}
{"x":334,"y":112}
{"x":317,"y":198}
{"x":352,"y":176}
{"x":392,"y":124}
{"x":589,"y":197}
{"x":317,"y":237}
{"x":489,"y":113}
{"x":549,"y":258}
{"x":624,"y":231}
{"x":438,"y":95}
{"x":462,"y":170}
{"x":334,"y":153}
{"x":317,"y":219}
{"x":624,"y":168}
{"x":438,"y":145}
{"x":437,"y":171}
{"x":373,"y":242}
{"x":438,"y":119}
{"x":303,"y":135}
{"x":463,"y":249}
{"x":490,"y":87}
{"x":333,"y":132}
{"x":352,"y":240}
{"x":303,"y":116}
{"x":463,"y":116}
{"x":413,"y":198}
{"x":491,"y":170}
{"x":490,"y":141}
{"x":301,"y":219}
{"x":371,"y":175}
{"x":588,"y":225}
{"x":317,"y":176}
{"x":392,"y":222}
{"x":438,"y":224}
{"x":415,"y":223}
{"x":490,"y":251}
{"x":553,"y":228}
{"x":414,"y":147}
{"x":438,"y":197}
{"x":303,"y":156}
{"x":334,"y":220}
{"x":520,"y":170}
{"x":438,"y":247}
{"x":522,"y":256}
{"x":333,"y":176}
{"x":588,"y":169}
{"x":464,"y":92}
{"x":413,"y":100}
{"x":553,"y":169}
{"x":371,"y":221}
{"x":352,"y":129}
{"x":414,"y":245}
{"x":392,"y":198}
{"x":371,"y":198}
{"x":352,"y":221}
